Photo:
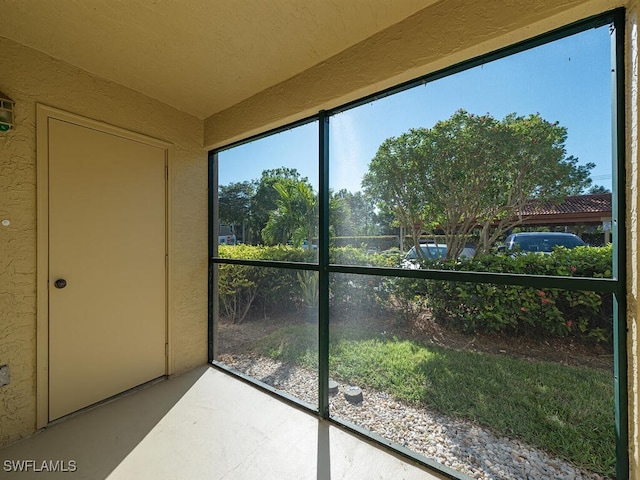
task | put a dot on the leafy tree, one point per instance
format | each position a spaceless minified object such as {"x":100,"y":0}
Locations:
{"x":473,"y":172}
{"x":353,"y":214}
{"x":534,"y":167}
{"x":384,"y":222}
{"x":234,"y":203}
{"x":598,"y":189}
{"x":340,"y":215}
{"x":296,"y":214}
{"x":265,"y":199}
{"x":392,"y":180}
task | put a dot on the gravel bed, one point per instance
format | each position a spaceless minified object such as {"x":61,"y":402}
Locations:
{"x":463,"y":446}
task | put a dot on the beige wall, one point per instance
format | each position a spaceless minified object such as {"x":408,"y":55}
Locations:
{"x":29,"y":77}
{"x":633,"y":233}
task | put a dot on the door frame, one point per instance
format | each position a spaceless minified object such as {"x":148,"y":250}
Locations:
{"x":43,"y":114}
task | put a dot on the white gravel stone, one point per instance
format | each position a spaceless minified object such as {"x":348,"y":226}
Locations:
{"x":464,"y":446}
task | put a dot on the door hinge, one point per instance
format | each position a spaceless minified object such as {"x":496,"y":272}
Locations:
{"x":166,"y":172}
{"x":166,"y":349}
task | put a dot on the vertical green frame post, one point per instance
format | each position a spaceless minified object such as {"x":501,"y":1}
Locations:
{"x":619,"y":247}
{"x":212,"y":293}
{"x":323,"y":265}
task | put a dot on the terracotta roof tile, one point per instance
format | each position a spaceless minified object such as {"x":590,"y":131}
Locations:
{"x":594,"y":203}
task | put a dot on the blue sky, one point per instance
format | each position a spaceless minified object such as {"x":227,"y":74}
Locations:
{"x":568,"y":81}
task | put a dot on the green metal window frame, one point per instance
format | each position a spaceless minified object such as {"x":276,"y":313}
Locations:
{"x":616,"y":285}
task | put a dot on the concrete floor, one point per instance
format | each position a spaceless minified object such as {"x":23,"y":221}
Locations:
{"x":203,"y":424}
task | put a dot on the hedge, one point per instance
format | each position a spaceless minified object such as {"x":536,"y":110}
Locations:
{"x":247,"y":290}
{"x":468,"y":307}
{"x":378,"y":243}
{"x":515,"y":310}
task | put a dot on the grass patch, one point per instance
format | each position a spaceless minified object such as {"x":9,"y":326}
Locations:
{"x":567,"y":411}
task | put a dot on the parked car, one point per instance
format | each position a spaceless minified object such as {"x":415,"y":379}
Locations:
{"x":541,"y":242}
{"x":305,"y":245}
{"x":226,"y":235}
{"x":431,"y":251}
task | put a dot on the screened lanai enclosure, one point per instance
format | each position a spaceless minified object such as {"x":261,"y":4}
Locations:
{"x":472,"y":360}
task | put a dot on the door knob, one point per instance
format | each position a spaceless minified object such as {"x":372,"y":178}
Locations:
{"x":60,"y":283}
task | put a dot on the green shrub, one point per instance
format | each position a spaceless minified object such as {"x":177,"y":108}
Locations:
{"x":363,"y":292}
{"x":378,"y":243}
{"x":246,"y":290}
{"x":516,"y":310}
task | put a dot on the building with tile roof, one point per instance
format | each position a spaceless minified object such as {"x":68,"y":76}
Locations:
{"x":591,"y":209}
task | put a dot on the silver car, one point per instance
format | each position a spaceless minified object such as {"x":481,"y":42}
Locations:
{"x":431,"y":251}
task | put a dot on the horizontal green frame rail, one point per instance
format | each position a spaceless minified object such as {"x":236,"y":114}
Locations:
{"x":601,"y":285}
{"x":268,"y":263}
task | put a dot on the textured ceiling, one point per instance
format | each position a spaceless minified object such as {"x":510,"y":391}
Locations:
{"x":200,"y":56}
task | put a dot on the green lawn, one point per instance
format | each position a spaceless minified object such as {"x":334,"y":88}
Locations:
{"x":567,"y":411}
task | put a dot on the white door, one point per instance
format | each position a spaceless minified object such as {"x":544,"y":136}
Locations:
{"x":107,"y":274}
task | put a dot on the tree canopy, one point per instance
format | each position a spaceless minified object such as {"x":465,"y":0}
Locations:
{"x":473,"y":172}
{"x":295,"y":217}
{"x":234,"y":202}
{"x":282,"y":207}
{"x":353,"y":214}
{"x":265,"y":197}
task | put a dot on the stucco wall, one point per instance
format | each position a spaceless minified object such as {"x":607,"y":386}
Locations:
{"x":29,"y":77}
{"x":633,"y":232}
